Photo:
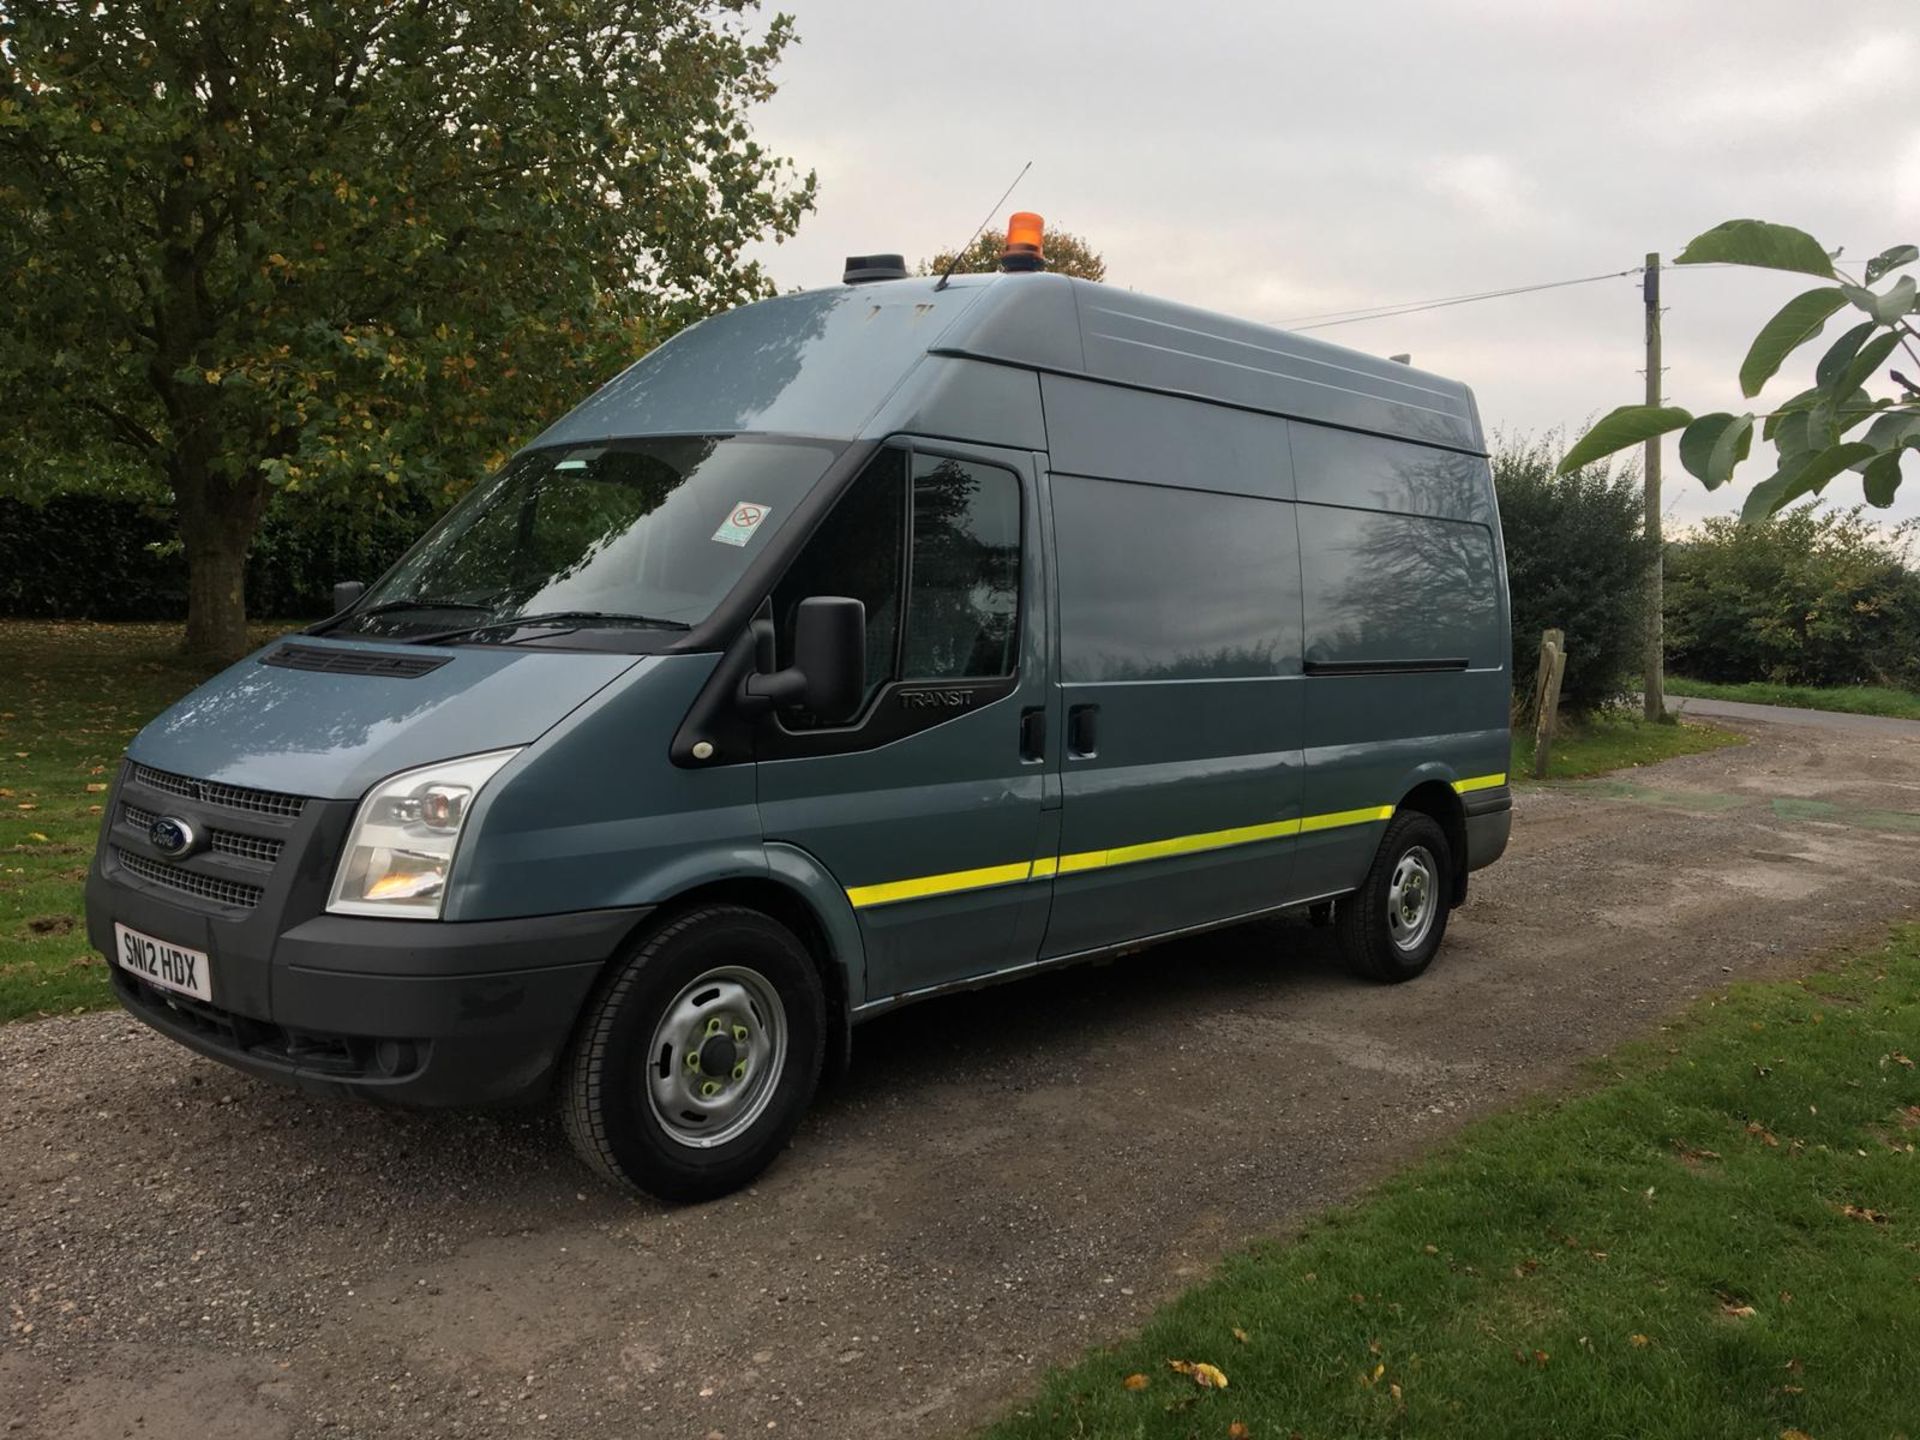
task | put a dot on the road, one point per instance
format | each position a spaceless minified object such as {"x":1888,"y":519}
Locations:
{"x":1003,"y":1179}
{"x":1793,"y":715}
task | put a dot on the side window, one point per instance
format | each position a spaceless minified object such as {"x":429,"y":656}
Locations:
{"x":963,"y":605}
{"x":1165,"y":584}
{"x":857,"y":552}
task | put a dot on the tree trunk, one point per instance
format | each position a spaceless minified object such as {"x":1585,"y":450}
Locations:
{"x":216,"y":526}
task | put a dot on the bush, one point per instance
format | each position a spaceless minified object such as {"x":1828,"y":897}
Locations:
{"x":1811,"y":597}
{"x":96,"y":556}
{"x":1574,"y":562}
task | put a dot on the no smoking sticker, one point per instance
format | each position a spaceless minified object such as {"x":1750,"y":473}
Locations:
{"x":741,"y":522}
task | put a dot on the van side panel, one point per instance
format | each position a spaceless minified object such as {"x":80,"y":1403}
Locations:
{"x":1405,"y":636}
{"x":1178,"y":578}
{"x":951,"y":399}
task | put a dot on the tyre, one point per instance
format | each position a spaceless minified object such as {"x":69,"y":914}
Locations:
{"x":1391,"y":926}
{"x":698,"y":1056}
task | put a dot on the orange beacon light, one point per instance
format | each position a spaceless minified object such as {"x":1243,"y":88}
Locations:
{"x":1026,"y":233}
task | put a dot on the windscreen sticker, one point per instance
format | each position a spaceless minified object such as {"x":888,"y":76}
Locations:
{"x":741,"y":522}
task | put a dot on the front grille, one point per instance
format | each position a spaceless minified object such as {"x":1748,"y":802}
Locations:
{"x":258,"y":848}
{"x":212,"y":792}
{"x":190,"y":882}
{"x":353,"y":662}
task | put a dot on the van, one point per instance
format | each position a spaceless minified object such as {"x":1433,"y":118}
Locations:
{"x":851,"y":648}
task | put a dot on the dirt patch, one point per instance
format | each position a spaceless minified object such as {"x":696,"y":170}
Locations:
{"x":1003,"y":1178}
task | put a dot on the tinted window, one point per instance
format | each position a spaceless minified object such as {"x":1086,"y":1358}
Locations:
{"x":1369,"y":473}
{"x":856,"y":552}
{"x":1393,"y":587}
{"x":1165,"y":584}
{"x":963,"y":610}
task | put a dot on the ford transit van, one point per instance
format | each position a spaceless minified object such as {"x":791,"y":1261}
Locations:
{"x":850,"y":648}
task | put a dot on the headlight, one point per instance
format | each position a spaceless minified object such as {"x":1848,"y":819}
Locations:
{"x":401,"y":845}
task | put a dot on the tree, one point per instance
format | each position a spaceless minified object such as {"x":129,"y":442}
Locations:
{"x":1575,"y":557}
{"x":358,"y":247}
{"x":1067,"y":254}
{"x":1810,"y":432}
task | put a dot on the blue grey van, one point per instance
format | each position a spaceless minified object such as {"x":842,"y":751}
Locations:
{"x":851,"y":648}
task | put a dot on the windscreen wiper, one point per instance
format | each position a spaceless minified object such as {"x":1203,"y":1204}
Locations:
{"x":575,"y":618}
{"x":389,"y":607}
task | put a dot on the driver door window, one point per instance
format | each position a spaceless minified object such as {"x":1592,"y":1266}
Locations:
{"x":959,"y":521}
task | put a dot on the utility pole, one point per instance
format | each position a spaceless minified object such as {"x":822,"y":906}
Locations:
{"x":1654,"y":685}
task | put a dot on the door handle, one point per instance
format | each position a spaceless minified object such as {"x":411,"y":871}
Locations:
{"x":1083,"y":732}
{"x":1033,"y":734}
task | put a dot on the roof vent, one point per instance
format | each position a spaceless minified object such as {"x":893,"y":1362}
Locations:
{"x":862,"y":269}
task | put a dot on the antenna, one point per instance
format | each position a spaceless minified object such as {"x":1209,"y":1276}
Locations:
{"x":954,"y":264}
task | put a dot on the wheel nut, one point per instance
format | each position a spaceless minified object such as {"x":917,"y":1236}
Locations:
{"x":693,"y":1060}
{"x":713,"y":1026}
{"x":709,"y":1089}
{"x":740,"y":1071}
{"x":741,"y":1033}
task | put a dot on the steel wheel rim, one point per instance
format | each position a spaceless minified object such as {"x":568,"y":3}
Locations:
{"x":716,"y":1057}
{"x":1412,"y":898}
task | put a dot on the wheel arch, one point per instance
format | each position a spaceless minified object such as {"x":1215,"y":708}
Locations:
{"x":1438,"y":799}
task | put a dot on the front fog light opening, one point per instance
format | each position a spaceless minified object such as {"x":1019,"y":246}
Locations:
{"x":400,"y":850}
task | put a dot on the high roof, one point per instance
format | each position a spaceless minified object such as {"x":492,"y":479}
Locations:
{"x":822,"y":362}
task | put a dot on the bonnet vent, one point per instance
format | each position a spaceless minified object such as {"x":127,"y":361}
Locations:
{"x":353,"y":662}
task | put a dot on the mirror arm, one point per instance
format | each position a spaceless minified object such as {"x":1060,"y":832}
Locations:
{"x":759,"y":693}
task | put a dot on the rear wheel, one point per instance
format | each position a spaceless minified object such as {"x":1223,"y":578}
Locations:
{"x":1391,"y":926}
{"x":698,"y":1057}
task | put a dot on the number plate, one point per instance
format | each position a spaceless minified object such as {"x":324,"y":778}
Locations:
{"x":162,"y":963}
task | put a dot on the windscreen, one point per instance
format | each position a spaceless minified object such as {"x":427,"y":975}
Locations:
{"x":650,"y":531}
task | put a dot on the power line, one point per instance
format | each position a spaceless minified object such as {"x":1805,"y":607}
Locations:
{"x":1329,"y":318}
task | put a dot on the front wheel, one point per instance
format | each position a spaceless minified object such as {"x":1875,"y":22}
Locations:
{"x":698,"y":1057}
{"x":1391,"y":926}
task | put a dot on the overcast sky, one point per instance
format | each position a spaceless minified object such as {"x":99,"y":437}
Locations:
{"x":1282,"y":160}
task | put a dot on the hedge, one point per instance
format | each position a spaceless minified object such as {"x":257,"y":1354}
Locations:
{"x":101,"y":557}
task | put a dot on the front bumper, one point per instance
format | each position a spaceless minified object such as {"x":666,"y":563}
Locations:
{"x":407,"y":1011}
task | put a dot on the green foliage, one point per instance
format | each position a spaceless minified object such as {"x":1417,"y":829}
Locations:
{"x":1809,"y":598}
{"x":1066,"y":252}
{"x":1810,"y":432}
{"x":358,"y":249}
{"x":112,"y":557}
{"x":1576,"y":562}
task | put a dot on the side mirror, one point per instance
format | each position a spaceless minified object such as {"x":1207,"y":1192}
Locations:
{"x":345,"y":592}
{"x":828,"y":676}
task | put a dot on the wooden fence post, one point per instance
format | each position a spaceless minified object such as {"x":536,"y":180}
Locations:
{"x":1546,"y":698}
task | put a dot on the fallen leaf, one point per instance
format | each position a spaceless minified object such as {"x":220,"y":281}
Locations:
{"x":1900,"y":1059}
{"x":1238,"y":1431}
{"x":1540,"y":1358}
{"x":1207,"y":1377}
{"x":95,"y":789}
{"x":1431,"y":1249}
{"x":1639,"y":1342}
{"x":1240,"y":1335}
{"x":1861,"y":1212}
{"x":1762,"y":1134}
{"x":1795,"y":1435}
{"x":26,"y":805}
{"x":36,"y":835}
{"x":1135,"y":1381}
{"x":1737,"y":1312}
{"x":1398,"y":1398}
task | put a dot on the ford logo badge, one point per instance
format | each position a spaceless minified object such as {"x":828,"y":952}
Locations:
{"x":171,"y":836}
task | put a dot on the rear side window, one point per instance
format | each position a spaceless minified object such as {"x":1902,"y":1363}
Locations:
{"x":1398,"y":588}
{"x":1159,"y":583}
{"x":928,"y":539}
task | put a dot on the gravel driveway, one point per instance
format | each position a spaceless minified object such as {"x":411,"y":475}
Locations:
{"x":1003,"y":1178}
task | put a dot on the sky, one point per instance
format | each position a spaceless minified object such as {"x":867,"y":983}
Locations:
{"x":1282,"y":160}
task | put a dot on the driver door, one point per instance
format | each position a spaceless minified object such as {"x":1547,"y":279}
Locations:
{"x":927,"y":808}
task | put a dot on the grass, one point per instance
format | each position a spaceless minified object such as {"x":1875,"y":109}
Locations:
{"x":72,"y":694}
{"x":1854,"y":699}
{"x":1617,"y":740}
{"x":1723,"y":1239}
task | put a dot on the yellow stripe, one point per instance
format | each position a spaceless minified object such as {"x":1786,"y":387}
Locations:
{"x":1480,"y":782}
{"x":1340,"y":818}
{"x":1046,"y":867}
{"x":864,"y":895}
